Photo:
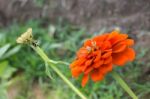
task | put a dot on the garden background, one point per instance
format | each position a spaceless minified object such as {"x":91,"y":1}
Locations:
{"x":61,"y":26}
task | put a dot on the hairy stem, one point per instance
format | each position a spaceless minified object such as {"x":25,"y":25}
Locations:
{"x":52,"y":64}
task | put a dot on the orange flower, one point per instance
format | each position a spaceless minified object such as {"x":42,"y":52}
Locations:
{"x":98,"y":55}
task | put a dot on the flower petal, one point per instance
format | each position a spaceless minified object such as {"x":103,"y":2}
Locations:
{"x":106,"y":45}
{"x":105,"y":68}
{"x":84,"y":80}
{"x":119,"y":48}
{"x":76,"y":71}
{"x":96,"y":75}
{"x":98,"y":63}
{"x":118,"y":38}
{"x":82,"y":53}
{"x":88,"y":43}
{"x":98,"y":56}
{"x":88,"y":70}
{"x":130,"y":53}
{"x":119,"y":58}
{"x":108,"y":60}
{"x":106,"y":55}
{"x":77,"y":62}
{"x":100,"y":38}
{"x":129,"y":42}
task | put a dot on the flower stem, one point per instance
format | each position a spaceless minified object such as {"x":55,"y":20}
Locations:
{"x":124,"y":85}
{"x":52,"y":64}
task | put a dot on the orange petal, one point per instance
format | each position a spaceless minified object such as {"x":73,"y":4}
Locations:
{"x":106,"y":45}
{"x":88,"y":62}
{"x":130,"y":53}
{"x":108,"y":60}
{"x":100,"y":38}
{"x":77,"y":62}
{"x":129,"y":42}
{"x":119,"y":48}
{"x":88,"y":70}
{"x":88,"y":43}
{"x":105,"y":68}
{"x":123,"y":57}
{"x":84,"y":80}
{"x":98,"y":63}
{"x":119,"y":59}
{"x":112,"y":35}
{"x":118,"y":38}
{"x":106,"y":55}
{"x":82,"y":53}
{"x":96,"y":75}
{"x":109,"y":67}
{"x":98,"y":57}
{"x":76,"y":71}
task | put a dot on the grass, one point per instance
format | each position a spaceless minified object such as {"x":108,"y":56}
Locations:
{"x":60,"y":42}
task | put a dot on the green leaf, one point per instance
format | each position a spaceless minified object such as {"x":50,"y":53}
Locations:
{"x":47,"y":71}
{"x":5,"y":70}
{"x":8,"y":72}
{"x":3,"y":66}
{"x":4,"y":49}
{"x":12,"y":51}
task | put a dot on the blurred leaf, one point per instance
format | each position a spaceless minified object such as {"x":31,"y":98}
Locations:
{"x":3,"y":66}
{"x":5,"y":70}
{"x":47,"y":71}
{"x":12,"y":51}
{"x":8,"y":72}
{"x":3,"y":93}
{"x":4,"y":49}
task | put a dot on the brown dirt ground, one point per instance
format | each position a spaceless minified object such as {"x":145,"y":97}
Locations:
{"x":93,"y":14}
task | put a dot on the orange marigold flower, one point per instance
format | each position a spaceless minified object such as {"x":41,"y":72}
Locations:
{"x":98,"y":55}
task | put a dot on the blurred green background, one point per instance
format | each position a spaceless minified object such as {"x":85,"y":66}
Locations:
{"x":60,"y":31}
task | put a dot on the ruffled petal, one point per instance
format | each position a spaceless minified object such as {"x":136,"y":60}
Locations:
{"x":98,"y":56}
{"x":129,"y":42}
{"x":119,"y":58}
{"x":82,"y":53}
{"x":112,"y":35}
{"x":118,"y":38}
{"x":88,"y":70}
{"x":119,"y":48}
{"x":77,"y":62}
{"x":106,"y":55}
{"x":106,"y":45}
{"x":76,"y":71}
{"x":100,"y":38}
{"x":130,"y":53}
{"x":84,"y":80}
{"x":105,"y":68}
{"x":98,"y":64}
{"x":96,"y":75}
{"x":88,"y":43}
{"x":123,"y":57}
{"x":108,"y":60}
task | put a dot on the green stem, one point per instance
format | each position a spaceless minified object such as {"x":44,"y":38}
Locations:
{"x":52,"y":64}
{"x":124,"y":85}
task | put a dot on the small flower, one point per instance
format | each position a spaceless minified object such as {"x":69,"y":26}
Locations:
{"x":25,"y":37}
{"x":98,"y":55}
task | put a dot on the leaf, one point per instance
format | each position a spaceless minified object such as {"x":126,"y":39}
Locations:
{"x":47,"y":71}
{"x":3,"y":66}
{"x":5,"y":70}
{"x":12,"y":52}
{"x":4,"y":49}
{"x":8,"y":72}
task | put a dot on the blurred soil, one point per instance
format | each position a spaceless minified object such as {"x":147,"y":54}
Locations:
{"x":93,"y":14}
